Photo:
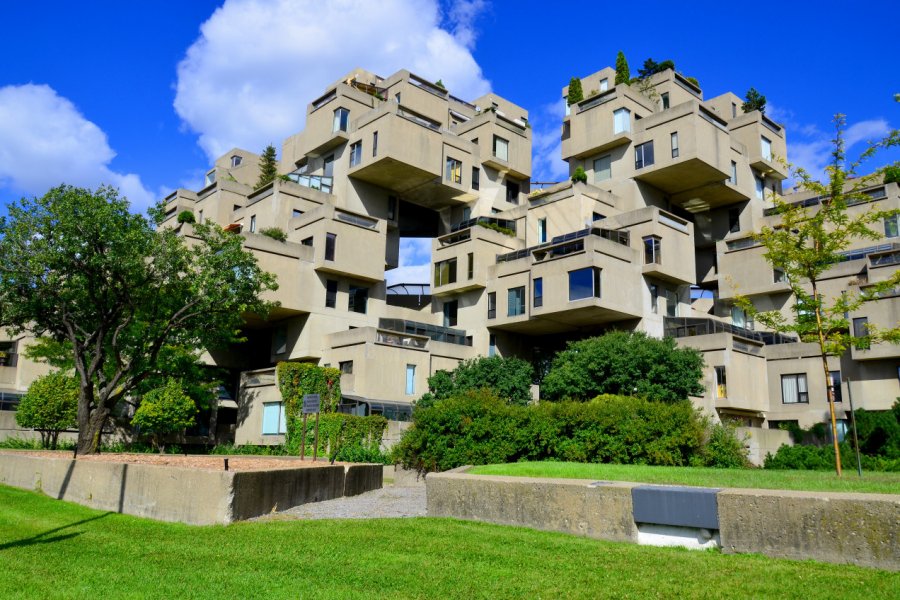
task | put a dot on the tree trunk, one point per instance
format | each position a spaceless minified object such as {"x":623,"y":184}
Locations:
{"x":90,"y":430}
{"x":828,"y":388}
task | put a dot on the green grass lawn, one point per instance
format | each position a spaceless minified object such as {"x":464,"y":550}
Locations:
{"x":53,"y":549}
{"x":822,"y":481}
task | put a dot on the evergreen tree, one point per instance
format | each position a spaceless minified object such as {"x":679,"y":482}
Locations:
{"x":576,"y":94}
{"x":754,"y":101}
{"x":268,"y":167}
{"x":623,"y":75}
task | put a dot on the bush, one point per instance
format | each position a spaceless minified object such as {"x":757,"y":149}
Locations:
{"x":623,"y":74}
{"x":508,"y":377}
{"x":249,"y":449}
{"x":298,"y":379}
{"x":497,"y":228}
{"x":186,"y":216}
{"x":579,"y":175}
{"x":815,"y":458}
{"x":724,"y":449}
{"x":49,"y":406}
{"x":576,"y":94}
{"x":276,"y":233}
{"x":891,"y":174}
{"x":626,"y":363}
{"x":165,"y":410}
{"x":878,"y":432}
{"x":343,"y":437}
{"x":754,"y":101}
{"x":478,"y":427}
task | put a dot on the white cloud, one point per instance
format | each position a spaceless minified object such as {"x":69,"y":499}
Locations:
{"x":546,"y":142}
{"x":46,"y":141}
{"x":415,"y":262}
{"x":247,"y":79}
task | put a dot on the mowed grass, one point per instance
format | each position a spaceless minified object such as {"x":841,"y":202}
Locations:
{"x":822,"y":481}
{"x":53,"y":549}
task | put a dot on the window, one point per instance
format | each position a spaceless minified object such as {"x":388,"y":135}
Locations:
{"x":397,"y":97}
{"x":861,"y":331}
{"x":307,"y":241}
{"x":273,"y":418}
{"x":445,"y":272}
{"x":538,"y":292}
{"x":793,"y":389}
{"x":492,"y":345}
{"x":602,"y":169}
{"x":392,"y":208}
{"x":654,"y":298}
{"x":584,"y":283}
{"x":328,"y":169}
{"x":734,"y":220}
{"x":604,"y":84}
{"x":892,"y":226}
{"x":834,"y":385}
{"x":470,"y":271}
{"x":760,"y":187}
{"x":671,"y":303}
{"x":410,"y":380}
{"x":733,"y":178}
{"x":674,"y":138}
{"x":766,"y":148}
{"x":374,"y":143}
{"x":330,"y":241}
{"x":597,"y":216}
{"x":778,"y":276}
{"x":331,"y":293}
{"x":542,"y":231}
{"x":739,"y":318}
{"x":652,"y":250}
{"x":643,"y":155}
{"x":252,"y":223}
{"x":359,"y":296}
{"x":200,"y":216}
{"x":211,"y":177}
{"x":236,"y":161}
{"x":279,"y":340}
{"x":296,"y":213}
{"x":453,"y":173}
{"x":346,"y":367}
{"x":515,"y":302}
{"x":492,"y":305}
{"x":501,"y":148}
{"x":451,"y":308}
{"x":512,"y":192}
{"x":355,"y":154}
{"x":721,"y":383}
{"x":476,"y":178}
{"x":665,"y":100}
{"x":341,"y":118}
{"x":733,"y":110}
{"x":621,"y":120}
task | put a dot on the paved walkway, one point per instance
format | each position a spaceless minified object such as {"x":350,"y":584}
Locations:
{"x":389,"y":502}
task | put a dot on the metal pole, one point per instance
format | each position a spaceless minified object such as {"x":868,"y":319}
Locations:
{"x":316,"y":447}
{"x":853,"y":422}
{"x":303,"y":439}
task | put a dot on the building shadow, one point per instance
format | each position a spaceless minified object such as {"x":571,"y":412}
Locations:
{"x":42,"y":538}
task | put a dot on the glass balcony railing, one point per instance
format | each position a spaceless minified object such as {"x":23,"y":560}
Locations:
{"x":313,"y":182}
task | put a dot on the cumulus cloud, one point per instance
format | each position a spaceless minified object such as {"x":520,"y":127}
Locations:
{"x":247,"y":79}
{"x":46,"y":141}
{"x":415,"y":262}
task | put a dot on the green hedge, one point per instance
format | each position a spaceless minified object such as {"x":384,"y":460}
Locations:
{"x":297,"y":379}
{"x":342,"y":437}
{"x":477,"y":428}
{"x":821,"y":458}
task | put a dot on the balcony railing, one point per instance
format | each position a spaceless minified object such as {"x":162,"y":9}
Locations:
{"x":434,"y":332}
{"x":399,"y":339}
{"x":679,"y":327}
{"x":877,"y":193}
{"x":566,"y":244}
{"x":313,"y":182}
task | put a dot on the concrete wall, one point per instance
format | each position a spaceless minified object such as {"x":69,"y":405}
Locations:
{"x":860,"y":529}
{"x":193,"y":496}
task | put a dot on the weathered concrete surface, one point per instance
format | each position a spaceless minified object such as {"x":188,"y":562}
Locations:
{"x":359,"y":479}
{"x":594,"y":509}
{"x":262,"y":492}
{"x":859,"y":529}
{"x":407,"y":477}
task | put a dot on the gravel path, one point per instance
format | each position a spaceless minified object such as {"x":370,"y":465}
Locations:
{"x":388,"y":502}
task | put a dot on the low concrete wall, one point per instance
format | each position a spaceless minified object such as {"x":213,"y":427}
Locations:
{"x":193,"y":496}
{"x":862,"y":529}
{"x":10,"y":429}
{"x":859,"y":529}
{"x":761,"y":441}
{"x":594,"y":509}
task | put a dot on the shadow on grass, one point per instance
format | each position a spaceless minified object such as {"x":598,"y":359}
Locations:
{"x":42,"y":538}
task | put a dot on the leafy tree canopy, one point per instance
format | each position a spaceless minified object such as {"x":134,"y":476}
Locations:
{"x":510,"y":378}
{"x":49,"y":406}
{"x":165,"y":410}
{"x":625,"y":363}
{"x":651,"y":67}
{"x":79,"y":268}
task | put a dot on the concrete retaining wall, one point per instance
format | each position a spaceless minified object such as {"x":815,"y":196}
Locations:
{"x":193,"y":496}
{"x":860,"y":529}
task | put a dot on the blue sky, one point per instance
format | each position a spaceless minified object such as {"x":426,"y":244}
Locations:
{"x":143,"y":94}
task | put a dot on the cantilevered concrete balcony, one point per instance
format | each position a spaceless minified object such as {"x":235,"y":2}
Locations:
{"x":504,"y":144}
{"x":765,"y":143}
{"x":462,"y":258}
{"x":591,"y":128}
{"x":345,"y":243}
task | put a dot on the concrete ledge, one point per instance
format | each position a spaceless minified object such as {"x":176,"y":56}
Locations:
{"x":594,"y":509}
{"x":859,"y":529}
{"x":258,"y":493}
{"x":359,"y":479}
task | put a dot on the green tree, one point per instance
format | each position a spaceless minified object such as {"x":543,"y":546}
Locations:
{"x":808,"y":241}
{"x":508,"y":377}
{"x":579,"y":175}
{"x":163,"y":411}
{"x":576,"y":94}
{"x":625,"y":363}
{"x":754,"y":101}
{"x":80,"y":268}
{"x":49,"y":406}
{"x":623,"y":74}
{"x":268,"y":167}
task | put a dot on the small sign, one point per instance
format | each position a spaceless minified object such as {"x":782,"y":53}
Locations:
{"x":311,"y":404}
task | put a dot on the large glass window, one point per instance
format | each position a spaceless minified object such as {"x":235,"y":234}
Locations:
{"x":765,"y":146}
{"x":621,"y":120}
{"x":359,"y":297}
{"x":492,"y":305}
{"x":501,"y":148}
{"x":445,"y":272}
{"x":330,"y":243}
{"x":760,"y":187}
{"x":740,"y":318}
{"x":643,"y":155}
{"x":451,"y":309}
{"x":355,"y":154}
{"x":602,"y":169}
{"x":274,"y":422}
{"x":515,"y":302}
{"x":584,"y":283}
{"x":328,"y":166}
{"x":538,"y":285}
{"x":341,"y":119}
{"x":331,"y":287}
{"x":453,"y":172}
{"x":793,"y":389}
{"x":652,"y":250}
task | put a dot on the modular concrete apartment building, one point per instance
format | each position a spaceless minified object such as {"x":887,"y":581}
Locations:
{"x":657,"y":240}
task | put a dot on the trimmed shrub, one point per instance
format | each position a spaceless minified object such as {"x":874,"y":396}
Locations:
{"x":623,"y":74}
{"x":508,"y":377}
{"x":186,"y":216}
{"x":576,"y":94}
{"x":163,"y":411}
{"x":579,"y":175}
{"x":724,"y":449}
{"x":477,"y":427}
{"x":49,"y":406}
{"x":342,"y":437}
{"x":497,"y":228}
{"x":298,"y":379}
{"x":878,"y":432}
{"x":276,"y":233}
{"x":815,"y":458}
